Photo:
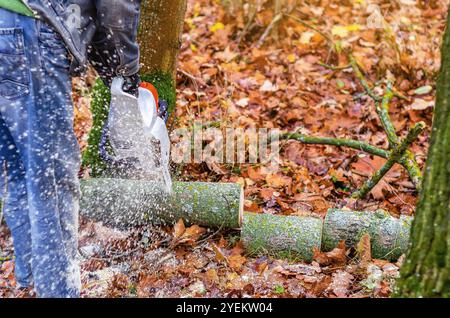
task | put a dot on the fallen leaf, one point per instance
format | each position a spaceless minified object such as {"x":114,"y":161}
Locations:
{"x":236,"y":262}
{"x":120,"y":281}
{"x":343,"y":31}
{"x":421,"y":104}
{"x":220,"y":256}
{"x":243,"y":102}
{"x":184,"y":235}
{"x":211,"y":276}
{"x":277,"y":180}
{"x":336,"y":257}
{"x":179,"y":229}
{"x":424,"y":90}
{"x":364,"y":250}
{"x":340,"y":283}
{"x":192,"y":234}
{"x":217,"y":26}
{"x":268,"y":87}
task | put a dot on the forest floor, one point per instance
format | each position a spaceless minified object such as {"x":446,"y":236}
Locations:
{"x":233,"y":74}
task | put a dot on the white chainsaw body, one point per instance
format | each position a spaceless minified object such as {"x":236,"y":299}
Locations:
{"x":136,"y":131}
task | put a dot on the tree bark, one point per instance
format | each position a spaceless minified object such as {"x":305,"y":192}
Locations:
{"x":426,"y":271}
{"x":126,"y":203}
{"x":159,"y":34}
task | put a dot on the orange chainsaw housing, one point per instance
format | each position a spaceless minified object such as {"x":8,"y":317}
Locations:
{"x":153,"y":90}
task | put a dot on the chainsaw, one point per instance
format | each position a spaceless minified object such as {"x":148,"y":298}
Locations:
{"x":136,"y":133}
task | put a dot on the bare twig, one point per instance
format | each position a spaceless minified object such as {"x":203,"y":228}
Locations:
{"x":314,"y":28}
{"x":269,"y":29}
{"x":335,"y":68}
{"x":249,"y":23}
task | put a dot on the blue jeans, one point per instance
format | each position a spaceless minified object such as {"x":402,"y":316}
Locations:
{"x":39,"y":149}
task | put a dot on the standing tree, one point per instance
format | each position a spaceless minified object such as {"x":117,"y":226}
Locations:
{"x":160,"y":30}
{"x":426,"y":272}
{"x":159,"y":34}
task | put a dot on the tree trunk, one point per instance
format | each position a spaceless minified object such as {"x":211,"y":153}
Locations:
{"x":159,"y":34}
{"x":126,"y":203}
{"x":426,"y":271}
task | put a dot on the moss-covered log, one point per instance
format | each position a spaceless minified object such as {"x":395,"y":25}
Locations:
{"x":389,"y":235}
{"x":426,"y":271}
{"x":293,"y":237}
{"x":124,"y":203}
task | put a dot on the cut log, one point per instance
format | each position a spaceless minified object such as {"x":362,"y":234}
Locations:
{"x":389,"y":235}
{"x":124,"y":203}
{"x":292,"y":237}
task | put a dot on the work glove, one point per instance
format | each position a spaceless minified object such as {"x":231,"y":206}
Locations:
{"x":131,"y":84}
{"x":106,"y":61}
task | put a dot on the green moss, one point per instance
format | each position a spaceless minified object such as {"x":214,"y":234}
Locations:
{"x":165,"y":85}
{"x":101,"y":98}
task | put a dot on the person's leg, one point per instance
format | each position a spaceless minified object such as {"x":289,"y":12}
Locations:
{"x":14,"y":92}
{"x":15,"y":206}
{"x":42,"y":131}
{"x":67,"y":160}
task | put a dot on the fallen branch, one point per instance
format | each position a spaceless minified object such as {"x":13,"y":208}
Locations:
{"x":395,"y":156}
{"x":334,"y":68}
{"x":354,"y":144}
{"x":407,"y":160}
{"x":295,"y":237}
{"x":415,"y":173}
{"x":382,"y":108}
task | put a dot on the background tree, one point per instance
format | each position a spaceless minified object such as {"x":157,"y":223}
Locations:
{"x":160,"y":30}
{"x":426,"y":271}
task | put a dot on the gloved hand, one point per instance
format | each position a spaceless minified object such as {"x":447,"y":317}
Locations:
{"x":105,"y":59}
{"x":131,"y":84}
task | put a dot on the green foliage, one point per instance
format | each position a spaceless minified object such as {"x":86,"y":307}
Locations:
{"x":101,"y":99}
